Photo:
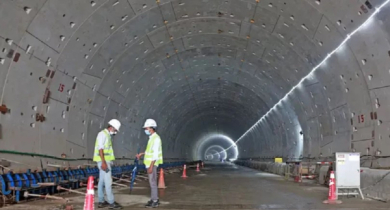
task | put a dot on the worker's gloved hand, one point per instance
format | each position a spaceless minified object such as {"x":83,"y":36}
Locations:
{"x":150,"y":170}
{"x":104,"y":166}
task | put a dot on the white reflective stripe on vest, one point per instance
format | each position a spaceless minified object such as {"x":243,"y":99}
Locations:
{"x":108,"y":147}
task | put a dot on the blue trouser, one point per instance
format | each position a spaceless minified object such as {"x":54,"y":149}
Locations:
{"x":105,"y":181}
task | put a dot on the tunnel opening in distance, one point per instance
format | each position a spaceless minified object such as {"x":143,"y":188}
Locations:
{"x":215,"y":146}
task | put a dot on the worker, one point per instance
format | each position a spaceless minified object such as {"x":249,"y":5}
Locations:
{"x":104,"y":156}
{"x":153,"y":158}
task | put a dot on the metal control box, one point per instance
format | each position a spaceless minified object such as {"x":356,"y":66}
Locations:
{"x":347,"y":173}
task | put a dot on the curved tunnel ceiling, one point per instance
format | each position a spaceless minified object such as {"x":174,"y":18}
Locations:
{"x":197,"y":67}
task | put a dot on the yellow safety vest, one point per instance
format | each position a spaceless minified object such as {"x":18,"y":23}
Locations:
{"x":107,"y":151}
{"x":149,"y":151}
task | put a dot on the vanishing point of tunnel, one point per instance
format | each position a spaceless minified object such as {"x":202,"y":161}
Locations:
{"x":245,"y":81}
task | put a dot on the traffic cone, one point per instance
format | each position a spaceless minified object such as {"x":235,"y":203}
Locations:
{"x":89,"y":197}
{"x":297,"y":179}
{"x":197,"y":168}
{"x":161,"y":182}
{"x":332,"y":198}
{"x":184,"y":172}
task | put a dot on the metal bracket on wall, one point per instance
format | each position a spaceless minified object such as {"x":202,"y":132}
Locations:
{"x":5,"y":163}
{"x":46,"y":96}
{"x":40,"y":117}
{"x":4,"y":109}
{"x":373,"y":115}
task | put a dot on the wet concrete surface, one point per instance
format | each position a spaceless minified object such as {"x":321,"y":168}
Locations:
{"x":226,"y":186}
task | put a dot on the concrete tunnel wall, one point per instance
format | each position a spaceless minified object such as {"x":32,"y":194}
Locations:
{"x":197,"y":67}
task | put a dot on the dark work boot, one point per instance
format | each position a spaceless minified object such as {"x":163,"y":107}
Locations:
{"x":152,"y":204}
{"x":151,"y":201}
{"x":115,"y":205}
{"x":104,"y":204}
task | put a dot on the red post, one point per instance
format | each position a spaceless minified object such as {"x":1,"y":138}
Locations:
{"x":89,"y":197}
{"x":197,"y":168}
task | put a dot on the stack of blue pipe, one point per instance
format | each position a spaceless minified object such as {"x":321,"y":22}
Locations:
{"x":22,"y":182}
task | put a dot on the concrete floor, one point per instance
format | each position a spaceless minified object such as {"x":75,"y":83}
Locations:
{"x":224,"y":186}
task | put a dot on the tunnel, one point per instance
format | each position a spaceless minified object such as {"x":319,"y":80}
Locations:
{"x":224,"y":79}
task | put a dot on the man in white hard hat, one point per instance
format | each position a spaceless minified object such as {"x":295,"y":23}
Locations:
{"x":104,"y":156}
{"x":153,"y":158}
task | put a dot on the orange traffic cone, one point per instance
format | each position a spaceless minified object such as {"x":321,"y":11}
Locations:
{"x":332,"y":198}
{"x":184,"y":172}
{"x":89,"y":197}
{"x":161,"y":182}
{"x":197,"y":168}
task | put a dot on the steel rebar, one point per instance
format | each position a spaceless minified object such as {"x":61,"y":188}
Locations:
{"x":69,"y":190}
{"x":26,"y":195}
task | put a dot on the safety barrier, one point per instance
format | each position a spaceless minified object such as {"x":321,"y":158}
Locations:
{"x":293,"y":169}
{"x":15,"y":185}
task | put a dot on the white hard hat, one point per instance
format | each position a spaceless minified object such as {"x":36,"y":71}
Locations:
{"x":150,"y":123}
{"x":115,"y":123}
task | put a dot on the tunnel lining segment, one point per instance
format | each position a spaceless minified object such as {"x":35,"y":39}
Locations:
{"x":310,"y":74}
{"x":131,"y":72}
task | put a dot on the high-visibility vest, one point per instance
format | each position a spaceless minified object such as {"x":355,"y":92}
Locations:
{"x":107,"y":151}
{"x":149,"y":151}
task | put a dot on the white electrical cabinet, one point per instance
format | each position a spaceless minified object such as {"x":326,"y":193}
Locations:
{"x":348,"y":174}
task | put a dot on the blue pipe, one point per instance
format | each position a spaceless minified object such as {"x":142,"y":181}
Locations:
{"x":61,"y":175}
{"x":3,"y":186}
{"x":10,"y":180}
{"x":50,"y":179}
{"x":20,"y":184}
{"x":56,"y":177}
{"x":29,"y":181}
{"x":39,"y":178}
{"x":45,"y":179}
{"x":19,"y":181}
